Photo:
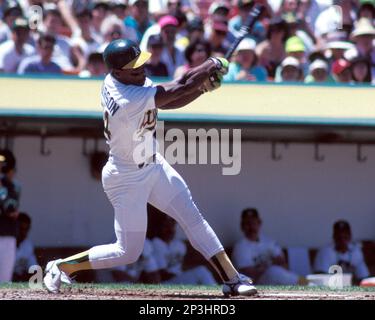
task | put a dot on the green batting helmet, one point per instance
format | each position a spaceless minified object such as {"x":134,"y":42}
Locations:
{"x":124,"y":54}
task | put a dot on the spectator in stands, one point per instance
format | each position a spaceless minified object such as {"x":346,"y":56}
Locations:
{"x":299,"y":28}
{"x":172,"y":56}
{"x":259,"y":257}
{"x":120,"y":9}
{"x":366,"y":9}
{"x":25,"y":256}
{"x":318,"y":72}
{"x":235,"y":23}
{"x":155,"y":67}
{"x":343,"y":252}
{"x":294,"y":47}
{"x":336,"y":45}
{"x":341,"y":71}
{"x":144,"y":270}
{"x":84,"y":38}
{"x":12,"y":52}
{"x":12,"y":11}
{"x":271,"y":52}
{"x":42,"y":62}
{"x":196,"y":53}
{"x":217,"y":38}
{"x":99,"y":10}
{"x":95,"y":66}
{"x":139,"y":18}
{"x":290,"y":70}
{"x":52,"y":23}
{"x":170,"y":254}
{"x":332,"y":19}
{"x":112,"y":29}
{"x":361,"y":70}
{"x":244,"y":66}
{"x":9,"y":203}
{"x":195,"y":31}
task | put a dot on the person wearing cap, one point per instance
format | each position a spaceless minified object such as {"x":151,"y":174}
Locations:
{"x":13,"y":51}
{"x":290,"y":71}
{"x":318,"y":72}
{"x":12,"y":11}
{"x":218,"y":37}
{"x":236,"y":22}
{"x":42,"y":62}
{"x":260,"y":257}
{"x":139,"y":18}
{"x":172,"y":56}
{"x":341,"y":71}
{"x":294,"y":47}
{"x":244,"y":65}
{"x":342,"y":252}
{"x":9,"y":203}
{"x":196,"y":53}
{"x":155,"y":67}
{"x":136,"y":173}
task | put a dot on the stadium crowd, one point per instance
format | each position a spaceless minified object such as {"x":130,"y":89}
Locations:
{"x":311,"y":41}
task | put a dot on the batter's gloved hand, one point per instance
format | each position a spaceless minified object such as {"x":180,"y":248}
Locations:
{"x":212,"y":83}
{"x":222,"y":64}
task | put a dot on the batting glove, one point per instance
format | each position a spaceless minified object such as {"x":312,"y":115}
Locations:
{"x":222,"y":64}
{"x":212,"y":83}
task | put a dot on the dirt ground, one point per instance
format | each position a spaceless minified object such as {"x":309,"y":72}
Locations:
{"x":168,"y":294}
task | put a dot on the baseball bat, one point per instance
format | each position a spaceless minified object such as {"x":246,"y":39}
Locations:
{"x":246,"y":28}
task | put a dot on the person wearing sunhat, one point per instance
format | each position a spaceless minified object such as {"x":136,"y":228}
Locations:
{"x":343,"y":252}
{"x":363,"y":37}
{"x":11,"y":12}
{"x":13,"y":51}
{"x":336,"y":44}
{"x":244,"y":65}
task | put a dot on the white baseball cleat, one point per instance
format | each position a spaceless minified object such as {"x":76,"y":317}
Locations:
{"x":239,"y":286}
{"x":54,"y":277}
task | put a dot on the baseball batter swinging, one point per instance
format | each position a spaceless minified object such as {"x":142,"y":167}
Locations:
{"x":130,"y":102}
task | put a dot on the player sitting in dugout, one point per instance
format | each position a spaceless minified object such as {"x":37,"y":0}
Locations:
{"x":260,"y":257}
{"x":343,"y":252}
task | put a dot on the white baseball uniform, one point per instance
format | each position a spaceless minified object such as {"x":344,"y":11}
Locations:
{"x":170,"y":256}
{"x":351,"y":261}
{"x":130,"y":118}
{"x":248,"y":253}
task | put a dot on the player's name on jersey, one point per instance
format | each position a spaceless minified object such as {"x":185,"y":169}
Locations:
{"x":110,"y":103}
